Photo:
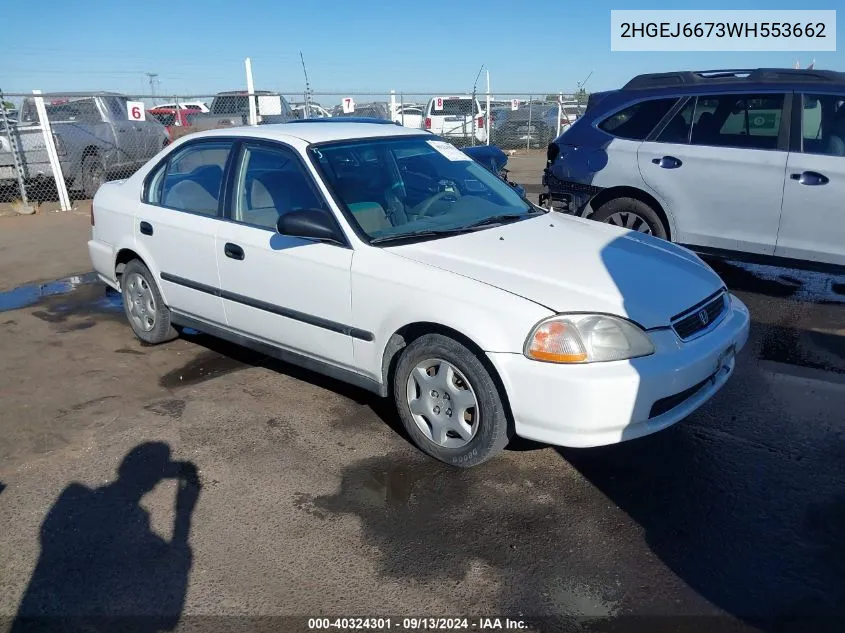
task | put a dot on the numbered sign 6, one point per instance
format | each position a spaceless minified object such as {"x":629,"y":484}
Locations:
{"x":514,"y":104}
{"x":438,"y":103}
{"x":348,"y":105}
{"x":135,"y":111}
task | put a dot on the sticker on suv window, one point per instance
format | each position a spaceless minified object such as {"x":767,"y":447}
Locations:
{"x":448,"y":150}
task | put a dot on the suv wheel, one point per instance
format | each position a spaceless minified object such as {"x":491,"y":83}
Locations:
{"x":448,"y":402}
{"x":633,"y":214}
{"x":148,"y":317}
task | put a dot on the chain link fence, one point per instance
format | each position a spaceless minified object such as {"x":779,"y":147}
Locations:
{"x":89,"y":138}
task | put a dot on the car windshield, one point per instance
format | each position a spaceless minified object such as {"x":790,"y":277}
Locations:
{"x":408,"y":186}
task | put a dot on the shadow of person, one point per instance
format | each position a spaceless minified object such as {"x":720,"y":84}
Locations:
{"x":101,"y":567}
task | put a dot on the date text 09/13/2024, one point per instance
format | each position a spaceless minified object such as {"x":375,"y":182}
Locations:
{"x":416,"y":624}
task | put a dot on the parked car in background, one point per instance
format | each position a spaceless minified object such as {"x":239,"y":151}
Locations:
{"x":184,"y":105}
{"x":231,"y":109}
{"x":171,"y":118}
{"x":570,"y":111}
{"x":533,"y":125}
{"x":95,"y":140}
{"x":548,"y":328}
{"x":459,"y":119}
{"x":409,"y":115}
{"x":373,"y":110}
{"x":743,"y":163}
{"x":313,"y":110}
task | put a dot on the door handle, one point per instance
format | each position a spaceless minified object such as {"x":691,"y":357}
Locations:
{"x":810,"y":178}
{"x":667,"y":162}
{"x":233,"y":251}
{"x":146,"y":228}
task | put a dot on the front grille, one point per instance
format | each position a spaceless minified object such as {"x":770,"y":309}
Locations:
{"x":664,"y":405}
{"x":699,"y":317}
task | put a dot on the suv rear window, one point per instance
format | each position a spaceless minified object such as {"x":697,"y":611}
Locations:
{"x":637,"y":121}
{"x":456,"y":107}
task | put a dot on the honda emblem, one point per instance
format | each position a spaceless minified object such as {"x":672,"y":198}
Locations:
{"x":703,"y":317}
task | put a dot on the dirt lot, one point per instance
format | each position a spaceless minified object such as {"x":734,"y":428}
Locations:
{"x":312,"y":502}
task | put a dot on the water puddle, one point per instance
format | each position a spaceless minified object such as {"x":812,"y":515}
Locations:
{"x":31,"y":294}
{"x":204,"y":367}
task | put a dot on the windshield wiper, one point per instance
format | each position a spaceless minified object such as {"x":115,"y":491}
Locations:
{"x":501,"y":219}
{"x":415,"y":234}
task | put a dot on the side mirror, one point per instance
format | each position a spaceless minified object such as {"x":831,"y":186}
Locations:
{"x":312,"y":224}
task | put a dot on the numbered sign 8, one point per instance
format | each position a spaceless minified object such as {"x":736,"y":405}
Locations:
{"x":348,"y":105}
{"x":438,"y":103}
{"x":135,"y":111}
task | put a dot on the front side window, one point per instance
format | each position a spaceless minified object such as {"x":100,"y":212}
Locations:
{"x":823,"y":124}
{"x":738,"y":120}
{"x":271,"y":181}
{"x":399,"y":187}
{"x":191,"y":180}
{"x":637,"y":121}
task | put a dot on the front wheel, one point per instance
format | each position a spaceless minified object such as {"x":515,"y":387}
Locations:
{"x":632,"y":214}
{"x":449,"y":403}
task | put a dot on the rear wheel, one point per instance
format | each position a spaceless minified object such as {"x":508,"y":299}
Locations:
{"x":449,"y":403}
{"x":148,"y":317}
{"x":93,"y":175}
{"x":632,"y":214}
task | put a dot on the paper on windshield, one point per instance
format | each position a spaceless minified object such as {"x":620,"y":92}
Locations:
{"x":448,"y":150}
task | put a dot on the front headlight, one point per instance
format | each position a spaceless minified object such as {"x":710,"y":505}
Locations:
{"x":586,"y":338}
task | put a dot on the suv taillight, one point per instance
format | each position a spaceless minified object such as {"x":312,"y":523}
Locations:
{"x":481,"y":123}
{"x":427,"y":123}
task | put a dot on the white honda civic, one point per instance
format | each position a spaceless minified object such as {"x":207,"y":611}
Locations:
{"x":385,"y":257}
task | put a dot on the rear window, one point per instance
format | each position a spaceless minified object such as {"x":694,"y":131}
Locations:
{"x":230,"y":104}
{"x":637,"y":121}
{"x":455,"y":107}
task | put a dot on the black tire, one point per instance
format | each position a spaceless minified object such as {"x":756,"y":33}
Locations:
{"x":633,"y":212}
{"x":93,"y":175}
{"x":493,"y":430}
{"x":161,"y":330}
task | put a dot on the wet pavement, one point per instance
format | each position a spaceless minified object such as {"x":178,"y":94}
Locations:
{"x":311,"y":500}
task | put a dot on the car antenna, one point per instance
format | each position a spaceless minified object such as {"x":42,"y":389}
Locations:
{"x":307,"y":88}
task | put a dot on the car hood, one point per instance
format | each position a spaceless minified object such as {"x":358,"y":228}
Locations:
{"x":569,"y":264}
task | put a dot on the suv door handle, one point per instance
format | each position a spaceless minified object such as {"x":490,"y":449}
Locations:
{"x":146,"y":228}
{"x":667,"y":162}
{"x":810,"y":178}
{"x":233,"y":251}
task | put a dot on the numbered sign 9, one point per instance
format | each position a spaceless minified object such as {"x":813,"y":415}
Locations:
{"x":514,"y":104}
{"x":438,"y":103}
{"x":348,"y":105}
{"x":135,"y":111}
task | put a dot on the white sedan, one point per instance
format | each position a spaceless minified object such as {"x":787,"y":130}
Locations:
{"x":387,"y":258}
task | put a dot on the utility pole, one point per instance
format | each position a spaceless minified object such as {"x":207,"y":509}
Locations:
{"x":307,"y":88}
{"x":152,"y":77}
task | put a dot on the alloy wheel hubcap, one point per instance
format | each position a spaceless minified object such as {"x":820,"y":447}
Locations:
{"x":630,"y":220}
{"x":443,"y":403}
{"x":140,"y":303}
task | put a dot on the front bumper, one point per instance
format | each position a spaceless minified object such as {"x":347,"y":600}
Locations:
{"x":606,"y":403}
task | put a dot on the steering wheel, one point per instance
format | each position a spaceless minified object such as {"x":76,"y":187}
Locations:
{"x":421,"y":210}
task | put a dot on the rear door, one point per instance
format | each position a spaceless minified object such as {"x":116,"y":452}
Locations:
{"x":812,"y":224}
{"x":177,"y":223}
{"x":719,"y":166}
{"x":131,"y":137}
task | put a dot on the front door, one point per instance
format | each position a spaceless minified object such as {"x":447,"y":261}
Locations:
{"x":290,"y":292}
{"x":813,"y":220}
{"x":719,"y":166}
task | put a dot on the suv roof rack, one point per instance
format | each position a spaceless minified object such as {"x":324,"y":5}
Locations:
{"x":742,"y":75}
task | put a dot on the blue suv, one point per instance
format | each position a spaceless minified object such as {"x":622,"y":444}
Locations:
{"x":739,"y":163}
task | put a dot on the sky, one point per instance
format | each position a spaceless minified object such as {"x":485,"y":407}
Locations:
{"x":356,"y":46}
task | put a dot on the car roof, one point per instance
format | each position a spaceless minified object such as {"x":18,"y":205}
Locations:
{"x":314,"y":131}
{"x":698,"y":79}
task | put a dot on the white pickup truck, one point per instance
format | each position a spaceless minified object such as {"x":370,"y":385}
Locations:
{"x":95,"y":141}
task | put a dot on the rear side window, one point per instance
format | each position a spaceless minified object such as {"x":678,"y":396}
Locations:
{"x":191,"y":180}
{"x":738,"y":120}
{"x":823,"y":124}
{"x":678,"y":129}
{"x":637,"y":121}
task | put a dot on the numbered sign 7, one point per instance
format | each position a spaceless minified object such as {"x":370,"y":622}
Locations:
{"x":348,"y":105}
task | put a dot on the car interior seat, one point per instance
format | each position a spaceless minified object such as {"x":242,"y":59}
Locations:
{"x":836,"y":141}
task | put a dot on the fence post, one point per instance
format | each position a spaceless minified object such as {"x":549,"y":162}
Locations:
{"x":489,"y":117}
{"x":402,"y":106}
{"x":13,"y":149}
{"x":559,"y":114}
{"x":530,"y":104}
{"x":53,"y":156}
{"x":250,"y":88}
{"x":393,"y":105}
